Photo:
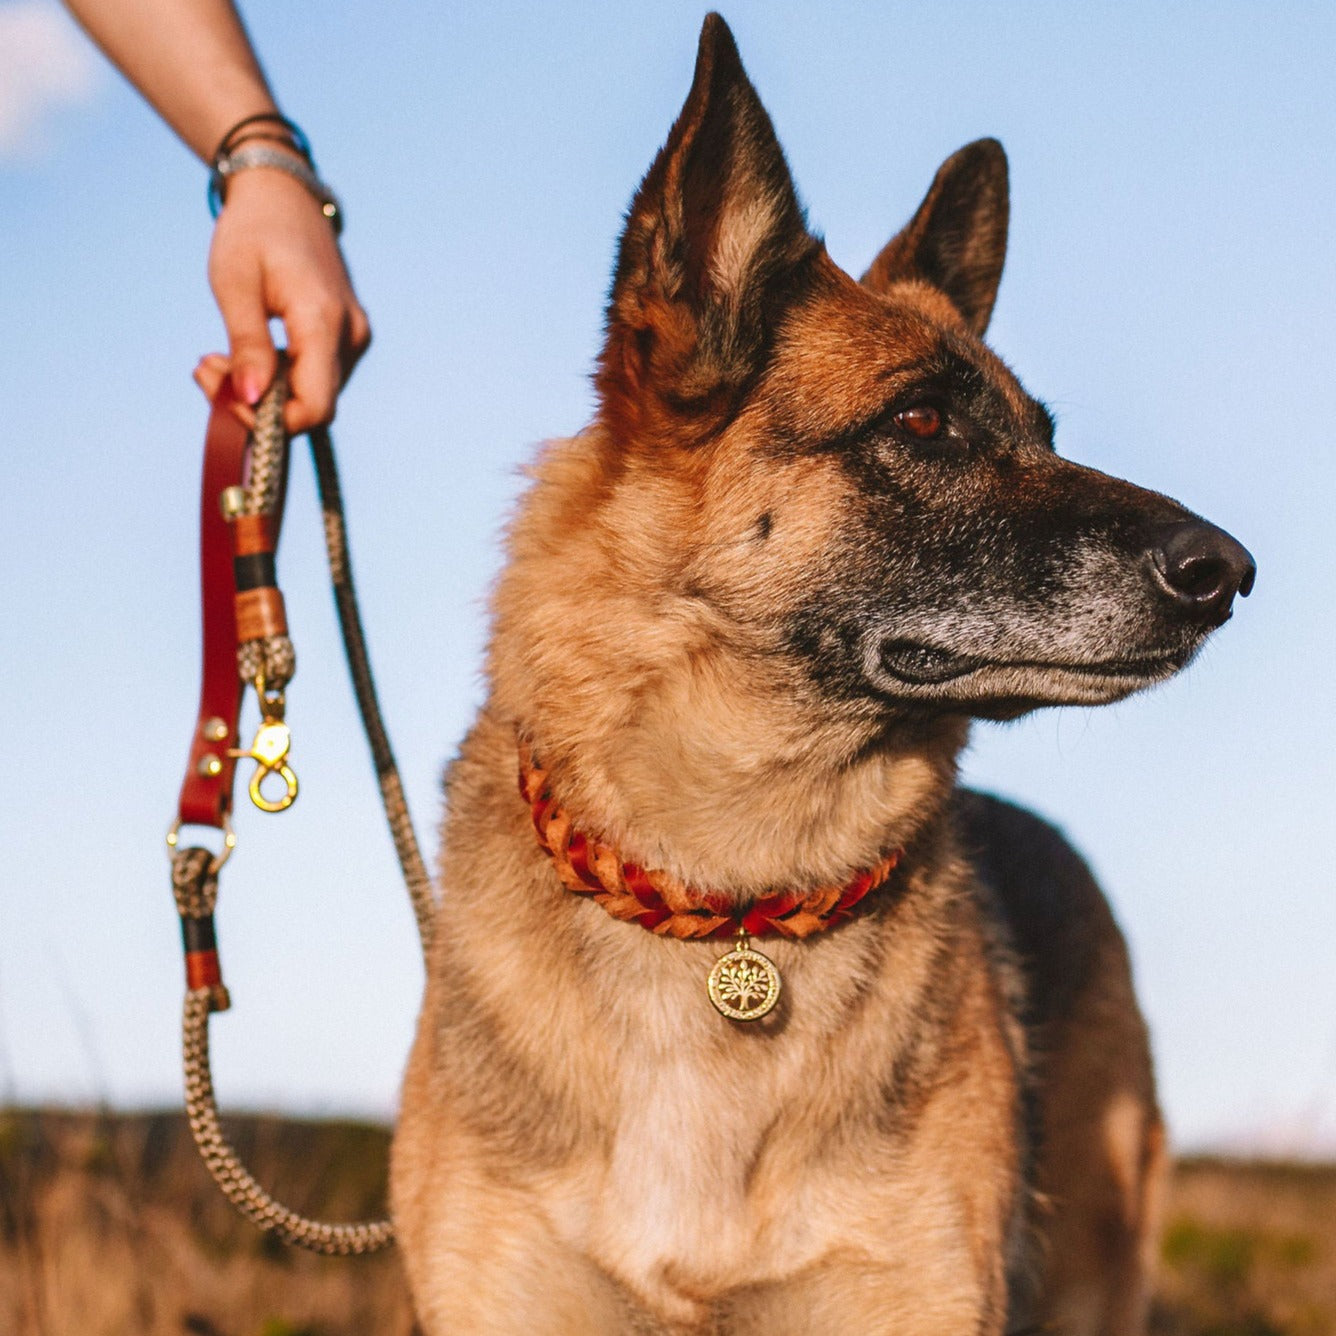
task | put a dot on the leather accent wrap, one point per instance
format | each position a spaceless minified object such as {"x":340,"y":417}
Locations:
{"x":203,"y":969}
{"x":197,"y":934}
{"x":253,"y":533}
{"x":260,"y":613}
{"x":254,"y":570}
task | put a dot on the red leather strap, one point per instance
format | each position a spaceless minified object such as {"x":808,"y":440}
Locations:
{"x":207,"y":798}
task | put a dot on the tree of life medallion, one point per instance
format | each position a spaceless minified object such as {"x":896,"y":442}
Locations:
{"x":744,"y":985}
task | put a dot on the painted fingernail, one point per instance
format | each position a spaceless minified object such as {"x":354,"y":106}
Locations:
{"x":248,"y":387}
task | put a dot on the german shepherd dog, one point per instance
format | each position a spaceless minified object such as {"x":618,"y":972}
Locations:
{"x":815,"y":527}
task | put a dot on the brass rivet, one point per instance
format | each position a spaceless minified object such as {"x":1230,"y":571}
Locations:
{"x":214,"y":730}
{"x":233,"y":501}
{"x":210,"y":766}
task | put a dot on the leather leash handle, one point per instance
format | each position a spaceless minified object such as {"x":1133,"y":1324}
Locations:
{"x":206,"y":790}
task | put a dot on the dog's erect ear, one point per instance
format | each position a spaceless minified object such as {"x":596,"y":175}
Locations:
{"x":957,"y":240}
{"x":711,"y":234}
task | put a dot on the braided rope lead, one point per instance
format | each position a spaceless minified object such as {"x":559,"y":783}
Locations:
{"x":195,"y":885}
{"x":271,"y":658}
{"x":236,"y":1181}
{"x":406,"y":847}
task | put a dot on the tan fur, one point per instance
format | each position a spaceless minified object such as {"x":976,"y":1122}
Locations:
{"x":585,"y":1145}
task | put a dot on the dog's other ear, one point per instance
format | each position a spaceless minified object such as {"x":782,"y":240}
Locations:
{"x":710,"y":236}
{"x":957,"y":241}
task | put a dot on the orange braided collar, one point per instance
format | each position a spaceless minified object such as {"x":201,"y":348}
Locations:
{"x":661,"y":903}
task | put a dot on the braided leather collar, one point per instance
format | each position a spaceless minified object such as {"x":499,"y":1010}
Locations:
{"x":658,"y":901}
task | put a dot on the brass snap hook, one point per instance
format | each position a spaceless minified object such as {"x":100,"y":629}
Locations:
{"x":269,"y":751}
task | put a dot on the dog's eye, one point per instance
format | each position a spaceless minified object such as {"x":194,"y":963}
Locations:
{"x":921,"y":420}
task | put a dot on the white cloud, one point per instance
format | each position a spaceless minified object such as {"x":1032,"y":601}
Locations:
{"x":45,"y":63}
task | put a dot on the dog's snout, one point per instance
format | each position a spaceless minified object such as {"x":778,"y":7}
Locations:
{"x":1202,"y":568}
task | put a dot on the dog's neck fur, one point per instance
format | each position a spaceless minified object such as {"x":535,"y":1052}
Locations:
{"x":692,"y":752}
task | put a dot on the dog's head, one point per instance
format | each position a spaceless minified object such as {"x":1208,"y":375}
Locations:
{"x":858,"y":483}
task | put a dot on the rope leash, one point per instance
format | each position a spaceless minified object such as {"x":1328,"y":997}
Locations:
{"x":246,"y":642}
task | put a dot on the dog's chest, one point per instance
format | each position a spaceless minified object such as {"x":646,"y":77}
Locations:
{"x":682,"y":1206}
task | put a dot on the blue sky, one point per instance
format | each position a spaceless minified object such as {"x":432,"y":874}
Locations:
{"x":1170,"y":291}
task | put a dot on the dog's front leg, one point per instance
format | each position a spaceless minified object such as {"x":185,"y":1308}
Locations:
{"x":857,"y":1294}
{"x":482,"y":1260}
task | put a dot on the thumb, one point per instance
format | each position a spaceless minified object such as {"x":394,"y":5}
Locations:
{"x":253,"y":358}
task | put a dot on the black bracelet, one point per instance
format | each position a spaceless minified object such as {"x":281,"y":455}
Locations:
{"x":299,"y":139}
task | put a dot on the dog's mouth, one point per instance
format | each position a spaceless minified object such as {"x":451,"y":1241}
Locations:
{"x":923,"y":665}
{"x":915,"y":664}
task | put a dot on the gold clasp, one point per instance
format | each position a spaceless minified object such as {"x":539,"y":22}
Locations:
{"x":273,"y":704}
{"x":269,"y":751}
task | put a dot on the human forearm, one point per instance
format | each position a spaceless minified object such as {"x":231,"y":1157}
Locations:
{"x":273,"y":252}
{"x":190,"y":58}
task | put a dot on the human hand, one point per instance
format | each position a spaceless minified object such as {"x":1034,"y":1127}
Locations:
{"x":274,"y":253}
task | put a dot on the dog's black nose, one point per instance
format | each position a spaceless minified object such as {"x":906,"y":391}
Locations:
{"x":1201,"y":568}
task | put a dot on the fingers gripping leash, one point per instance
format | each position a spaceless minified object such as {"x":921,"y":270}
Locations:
{"x":246,"y":642}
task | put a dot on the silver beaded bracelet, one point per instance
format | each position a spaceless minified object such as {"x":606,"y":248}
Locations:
{"x":227,"y":165}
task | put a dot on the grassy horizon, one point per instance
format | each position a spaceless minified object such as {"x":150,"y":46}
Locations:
{"x":109,"y":1223}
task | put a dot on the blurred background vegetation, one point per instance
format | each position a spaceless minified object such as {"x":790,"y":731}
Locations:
{"x":109,"y":1224}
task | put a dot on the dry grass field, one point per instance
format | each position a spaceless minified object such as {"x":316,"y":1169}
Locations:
{"x":1249,"y":1249}
{"x":109,"y":1225}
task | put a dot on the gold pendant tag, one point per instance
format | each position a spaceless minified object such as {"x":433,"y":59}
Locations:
{"x":744,"y":985}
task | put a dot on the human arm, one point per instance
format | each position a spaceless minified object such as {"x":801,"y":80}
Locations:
{"x":273,"y":252}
